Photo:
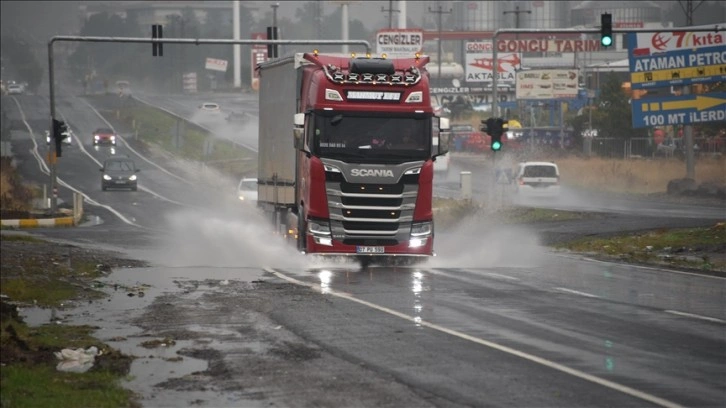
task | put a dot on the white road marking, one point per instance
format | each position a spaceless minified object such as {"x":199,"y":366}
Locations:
{"x":535,"y":359}
{"x":695,"y":316}
{"x":577,"y":292}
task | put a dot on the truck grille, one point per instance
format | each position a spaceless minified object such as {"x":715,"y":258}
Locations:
{"x":371,"y":214}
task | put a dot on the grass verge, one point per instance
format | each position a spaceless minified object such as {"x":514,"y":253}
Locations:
{"x":158,"y":127}
{"x":693,"y":248}
{"x":50,"y":275}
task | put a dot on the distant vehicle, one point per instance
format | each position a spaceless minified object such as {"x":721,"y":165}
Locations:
{"x":247,"y":189}
{"x":538,"y":179}
{"x":68,"y":139}
{"x":123,"y":87}
{"x":236,"y":117}
{"x":104,"y":136}
{"x":210,"y":107}
{"x":119,"y":172}
{"x":466,"y":138}
{"x":16,"y":89}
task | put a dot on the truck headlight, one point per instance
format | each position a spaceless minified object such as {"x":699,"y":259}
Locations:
{"x":320,"y":230}
{"x":422,"y":229}
{"x":420,"y":233}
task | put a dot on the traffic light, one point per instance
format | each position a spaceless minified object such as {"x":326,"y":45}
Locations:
{"x":59,"y":134}
{"x":606,"y":29}
{"x":272,"y":34}
{"x":157,"y":48}
{"x":494,"y":127}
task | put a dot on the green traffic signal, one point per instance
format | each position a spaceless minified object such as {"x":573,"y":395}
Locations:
{"x":496,"y":145}
{"x":606,"y":29}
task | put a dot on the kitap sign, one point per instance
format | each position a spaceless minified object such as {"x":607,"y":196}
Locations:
{"x":547,"y":84}
{"x":214,"y":64}
{"x":676,"y":58}
{"x":480,"y":64}
{"x":404,"y":42}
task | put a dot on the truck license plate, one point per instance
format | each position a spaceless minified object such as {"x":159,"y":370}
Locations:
{"x":369,"y":250}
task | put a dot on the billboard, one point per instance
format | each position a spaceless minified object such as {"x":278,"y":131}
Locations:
{"x":675,"y":58}
{"x":547,"y":84}
{"x":480,"y":64}
{"x":214,"y":64}
{"x":398,"y":41}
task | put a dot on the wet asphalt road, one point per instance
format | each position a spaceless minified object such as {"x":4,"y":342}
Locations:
{"x":494,"y":320}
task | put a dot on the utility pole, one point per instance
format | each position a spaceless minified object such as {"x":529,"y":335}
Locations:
{"x":390,"y":11}
{"x":440,"y":13}
{"x":236,"y":49}
{"x":688,"y":7}
{"x":516,"y":13}
{"x":275,"y":32}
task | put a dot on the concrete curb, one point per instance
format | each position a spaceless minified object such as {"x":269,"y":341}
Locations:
{"x":39,"y":222}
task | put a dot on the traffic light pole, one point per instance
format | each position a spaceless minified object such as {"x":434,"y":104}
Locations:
{"x":154,"y":41}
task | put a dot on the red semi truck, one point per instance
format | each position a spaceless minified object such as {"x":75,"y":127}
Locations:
{"x":346,"y":154}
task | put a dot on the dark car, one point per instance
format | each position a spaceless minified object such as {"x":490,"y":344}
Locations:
{"x":236,"y":117}
{"x":119,"y":172}
{"x":104,"y":136}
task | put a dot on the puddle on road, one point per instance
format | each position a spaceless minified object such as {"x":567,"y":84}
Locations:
{"x":151,"y":366}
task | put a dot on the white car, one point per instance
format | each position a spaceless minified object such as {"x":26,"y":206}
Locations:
{"x":16,"y":89}
{"x":537,"y":179}
{"x":247,"y":189}
{"x":210,"y":107}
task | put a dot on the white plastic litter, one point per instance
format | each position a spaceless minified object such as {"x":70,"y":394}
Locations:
{"x":76,"y":360}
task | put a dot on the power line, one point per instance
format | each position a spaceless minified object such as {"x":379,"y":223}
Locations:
{"x":390,"y":11}
{"x":516,"y":13}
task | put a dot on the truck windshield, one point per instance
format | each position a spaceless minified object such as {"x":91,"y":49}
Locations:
{"x":354,"y":136}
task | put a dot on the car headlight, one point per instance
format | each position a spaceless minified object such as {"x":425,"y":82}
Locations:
{"x":113,"y":138}
{"x":96,"y":137}
{"x":133,"y":177}
{"x":106,"y":177}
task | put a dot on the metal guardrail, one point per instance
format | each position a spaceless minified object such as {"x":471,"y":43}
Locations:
{"x":645,"y":147}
